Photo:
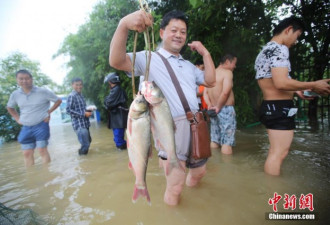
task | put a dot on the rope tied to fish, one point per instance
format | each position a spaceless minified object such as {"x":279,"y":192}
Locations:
{"x":143,"y":6}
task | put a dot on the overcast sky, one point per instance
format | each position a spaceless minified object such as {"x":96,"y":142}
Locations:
{"x":37,"y":29}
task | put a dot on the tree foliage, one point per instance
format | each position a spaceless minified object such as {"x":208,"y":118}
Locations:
{"x":313,"y":49}
{"x":225,"y":26}
{"x":89,"y":50}
{"x":310,"y":57}
{"x":233,"y":26}
{"x":239,"y":27}
{"x":9,"y":129}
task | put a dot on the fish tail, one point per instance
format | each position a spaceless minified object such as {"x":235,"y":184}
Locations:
{"x":140,"y":192}
{"x":128,"y":143}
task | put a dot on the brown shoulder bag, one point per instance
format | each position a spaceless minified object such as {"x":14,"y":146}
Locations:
{"x":198,"y":122}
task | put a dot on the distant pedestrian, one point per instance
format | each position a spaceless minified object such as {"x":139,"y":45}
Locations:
{"x":33,"y":103}
{"x":200,"y":88}
{"x":76,"y":108}
{"x":116,"y":104}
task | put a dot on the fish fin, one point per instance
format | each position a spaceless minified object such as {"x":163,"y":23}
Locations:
{"x":140,"y":192}
{"x":130,"y":166}
{"x":152,"y":114}
{"x":150,"y":152}
{"x":129,"y":128}
{"x":127,"y":143}
{"x":160,"y":163}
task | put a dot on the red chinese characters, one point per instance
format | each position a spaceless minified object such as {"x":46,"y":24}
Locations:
{"x":290,"y":202}
{"x":305,"y":201}
{"x":274,"y":201}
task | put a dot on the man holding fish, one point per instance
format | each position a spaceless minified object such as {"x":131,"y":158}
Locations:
{"x":161,"y":95}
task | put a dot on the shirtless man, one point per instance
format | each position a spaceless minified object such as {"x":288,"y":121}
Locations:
{"x":221,"y":99}
{"x":277,"y":109}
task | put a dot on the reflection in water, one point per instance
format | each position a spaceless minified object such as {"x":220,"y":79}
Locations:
{"x":97,"y":188}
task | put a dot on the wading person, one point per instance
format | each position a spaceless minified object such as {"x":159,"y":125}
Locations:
{"x":33,"y":103}
{"x":277,"y":110}
{"x":221,"y":99}
{"x":200,"y":89}
{"x":76,"y":108}
{"x":116,"y":104}
{"x":173,"y":32}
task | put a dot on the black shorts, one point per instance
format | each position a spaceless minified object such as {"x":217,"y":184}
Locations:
{"x":275,"y":115}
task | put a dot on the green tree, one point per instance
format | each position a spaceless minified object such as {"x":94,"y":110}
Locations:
{"x":222,"y":27}
{"x":89,"y":50}
{"x":227,"y":26}
{"x":244,"y":26}
{"x":9,"y":129}
{"x":238,"y":27}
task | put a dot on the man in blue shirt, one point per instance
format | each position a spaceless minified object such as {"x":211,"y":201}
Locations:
{"x":35,"y":110}
{"x":76,"y":108}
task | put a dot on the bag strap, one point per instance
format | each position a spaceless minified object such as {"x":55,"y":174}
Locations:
{"x":178,"y":88}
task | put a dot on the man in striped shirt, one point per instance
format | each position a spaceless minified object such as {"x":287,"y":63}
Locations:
{"x":76,"y":108}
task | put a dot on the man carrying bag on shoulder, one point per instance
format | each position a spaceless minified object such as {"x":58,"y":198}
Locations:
{"x":173,"y":32}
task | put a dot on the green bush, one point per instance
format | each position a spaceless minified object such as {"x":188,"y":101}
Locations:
{"x":9,"y":129}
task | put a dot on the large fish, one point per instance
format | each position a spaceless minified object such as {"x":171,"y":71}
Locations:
{"x":162,"y":124}
{"x":138,"y":144}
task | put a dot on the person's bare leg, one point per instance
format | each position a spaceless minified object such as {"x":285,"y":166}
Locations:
{"x":195,"y":175}
{"x":160,"y":163}
{"x":44,"y":155}
{"x":226,"y":149}
{"x":28,"y":157}
{"x":174,"y":185}
{"x":214,"y":145}
{"x":280,"y":142}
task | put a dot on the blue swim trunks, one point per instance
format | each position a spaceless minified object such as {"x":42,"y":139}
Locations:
{"x":31,"y":137}
{"x":223,"y":126}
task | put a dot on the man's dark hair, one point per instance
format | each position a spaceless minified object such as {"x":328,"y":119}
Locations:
{"x":76,"y":79}
{"x":174,"y":14}
{"x":296,"y":23}
{"x":199,"y":62}
{"x":24,"y":72}
{"x":228,"y":56}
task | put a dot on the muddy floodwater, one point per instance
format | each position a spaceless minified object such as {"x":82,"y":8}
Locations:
{"x":97,"y":188}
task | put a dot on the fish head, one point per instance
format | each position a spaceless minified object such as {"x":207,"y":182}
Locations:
{"x":144,"y":87}
{"x":152,"y":92}
{"x":139,"y":106}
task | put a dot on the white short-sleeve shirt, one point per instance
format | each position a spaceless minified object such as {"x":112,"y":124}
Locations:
{"x":272,"y":55}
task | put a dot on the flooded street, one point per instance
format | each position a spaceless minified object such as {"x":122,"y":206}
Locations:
{"x":97,"y":188}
